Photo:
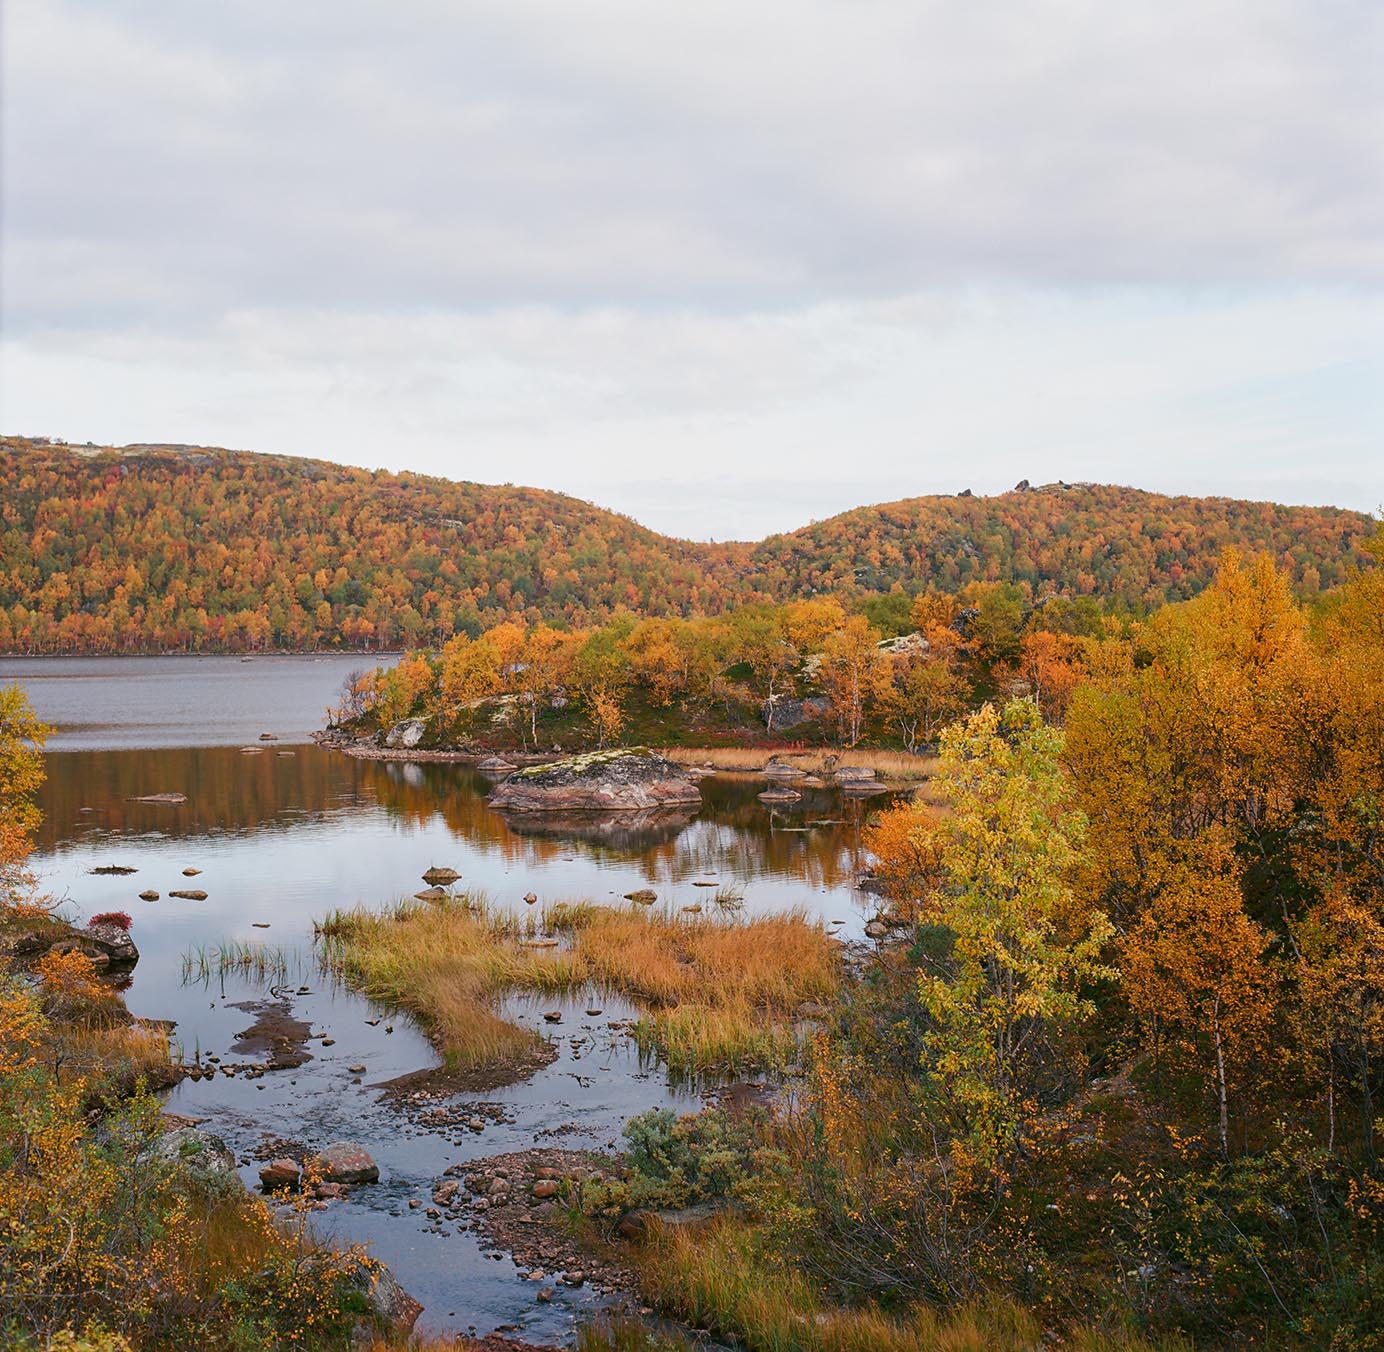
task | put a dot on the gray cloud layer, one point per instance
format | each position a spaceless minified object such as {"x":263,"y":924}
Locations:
{"x":602,"y":225}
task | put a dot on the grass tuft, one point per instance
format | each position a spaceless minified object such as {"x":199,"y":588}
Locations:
{"x":720,"y":994}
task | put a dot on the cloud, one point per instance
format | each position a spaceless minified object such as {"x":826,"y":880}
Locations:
{"x":723,"y":267}
{"x":170,"y":160}
{"x":737,"y":425}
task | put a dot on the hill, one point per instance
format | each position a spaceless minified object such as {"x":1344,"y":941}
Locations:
{"x":177,"y":547}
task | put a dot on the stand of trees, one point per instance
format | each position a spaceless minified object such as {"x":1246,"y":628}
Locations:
{"x":201,"y":550}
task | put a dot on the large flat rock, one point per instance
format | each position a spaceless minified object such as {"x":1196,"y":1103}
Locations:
{"x":601,"y":781}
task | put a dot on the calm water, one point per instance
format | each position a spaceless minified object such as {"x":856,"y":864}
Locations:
{"x":97,"y":702}
{"x":285,"y":833}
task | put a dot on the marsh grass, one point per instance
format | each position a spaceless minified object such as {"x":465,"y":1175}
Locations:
{"x":720,"y":1278}
{"x":897,"y":765}
{"x":719,"y":994}
{"x":239,"y":957}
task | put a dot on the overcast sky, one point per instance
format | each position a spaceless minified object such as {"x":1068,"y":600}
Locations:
{"x":726,"y":267}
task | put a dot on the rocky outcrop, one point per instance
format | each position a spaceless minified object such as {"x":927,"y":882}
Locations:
{"x":190,"y":1148}
{"x":405,"y":734}
{"x":601,"y":781}
{"x":388,"y":1302}
{"x":786,"y":712}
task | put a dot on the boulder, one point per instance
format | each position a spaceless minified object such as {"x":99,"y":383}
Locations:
{"x":388,"y":1302}
{"x":345,"y":1162}
{"x":149,"y":895}
{"x":780,"y":793}
{"x":645,"y":896}
{"x":444,"y":876}
{"x":545,"y":1187}
{"x":195,"y":1150}
{"x":115,"y":942}
{"x":280,"y":1175}
{"x":170,"y":799}
{"x":601,"y":781}
{"x":78,"y":943}
{"x":190,"y":894}
{"x":786,"y":712}
{"x":853,"y":774}
{"x":495,"y":765}
{"x":405,"y":734}
{"x":778,"y":769}
{"x":906,"y":645}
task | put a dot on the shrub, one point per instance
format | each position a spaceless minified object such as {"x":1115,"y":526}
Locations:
{"x":120,"y":919}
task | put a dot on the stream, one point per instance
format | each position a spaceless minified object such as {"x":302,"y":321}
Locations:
{"x":281,"y":832}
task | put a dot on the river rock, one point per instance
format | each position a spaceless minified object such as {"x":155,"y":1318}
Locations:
{"x":780,"y":793}
{"x":778,"y":769}
{"x":545,"y":1187}
{"x":645,"y":896}
{"x":170,"y":799}
{"x":443,"y":876}
{"x":196,"y":1150}
{"x":495,"y":765}
{"x":345,"y":1162}
{"x":876,"y":929}
{"x":149,"y":895}
{"x":406,"y":734}
{"x":279,"y":1175}
{"x":853,"y":774}
{"x":600,"y":781}
{"x":190,"y":894}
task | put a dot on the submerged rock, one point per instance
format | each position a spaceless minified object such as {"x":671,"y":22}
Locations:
{"x":190,"y":894}
{"x":780,"y":794}
{"x":601,"y":781}
{"x":645,"y":896}
{"x":172,"y":799}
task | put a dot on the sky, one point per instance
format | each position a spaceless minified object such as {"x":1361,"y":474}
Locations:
{"x":727,"y":268}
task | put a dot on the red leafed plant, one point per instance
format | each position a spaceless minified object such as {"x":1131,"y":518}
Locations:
{"x":121,"y":919}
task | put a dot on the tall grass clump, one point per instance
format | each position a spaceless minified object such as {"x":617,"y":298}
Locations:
{"x":718,"y":995}
{"x":888,"y":764}
{"x":723,"y":1277}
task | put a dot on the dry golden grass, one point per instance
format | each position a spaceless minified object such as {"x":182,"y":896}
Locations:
{"x":719,"y":993}
{"x":718,"y":1278}
{"x":897,"y":765}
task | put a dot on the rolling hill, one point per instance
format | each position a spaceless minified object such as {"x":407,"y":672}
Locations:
{"x":155,"y":547}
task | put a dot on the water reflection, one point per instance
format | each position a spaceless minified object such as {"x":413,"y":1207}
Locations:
{"x":279,"y":840}
{"x":90,"y":797}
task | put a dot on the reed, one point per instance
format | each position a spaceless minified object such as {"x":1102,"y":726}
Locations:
{"x":719,"y":993}
{"x":234,"y":957}
{"x":899,"y":765}
{"x":721,"y":1278}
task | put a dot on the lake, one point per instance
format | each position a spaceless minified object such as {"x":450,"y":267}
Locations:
{"x":283,"y":832}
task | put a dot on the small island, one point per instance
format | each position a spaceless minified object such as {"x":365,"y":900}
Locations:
{"x":618,"y":780}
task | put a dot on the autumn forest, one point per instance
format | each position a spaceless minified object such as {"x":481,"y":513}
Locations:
{"x":195,"y":549}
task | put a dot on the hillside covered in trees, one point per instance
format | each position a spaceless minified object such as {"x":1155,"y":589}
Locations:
{"x":191,"y":548}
